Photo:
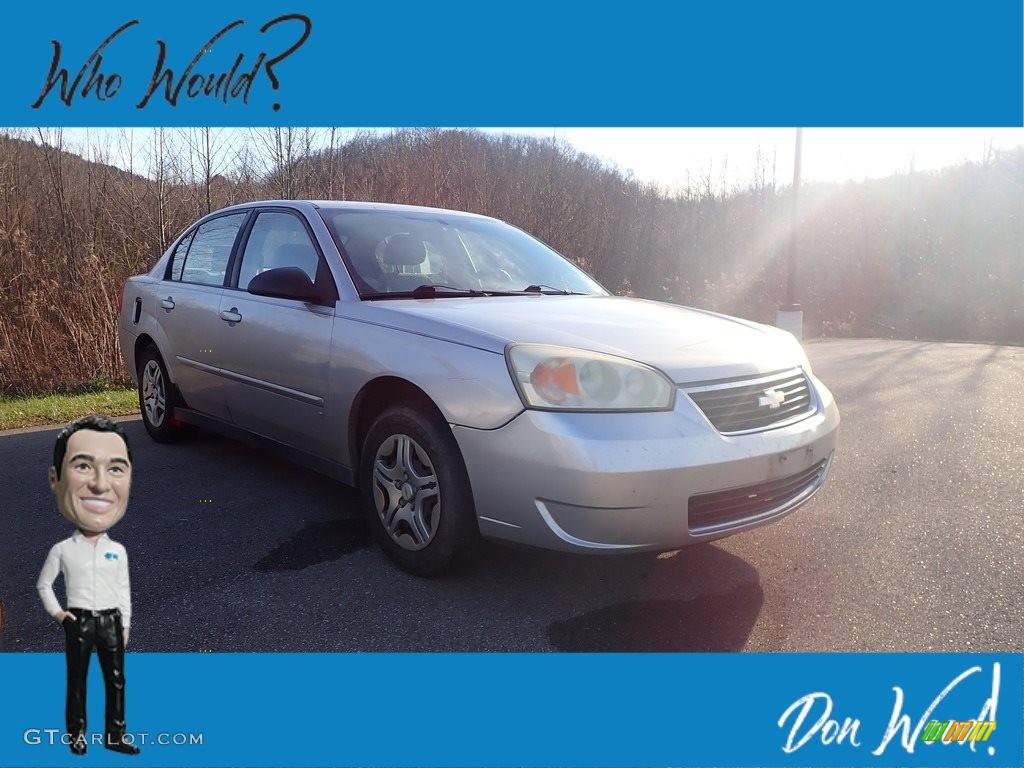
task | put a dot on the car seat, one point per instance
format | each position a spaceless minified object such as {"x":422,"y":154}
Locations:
{"x":404,"y":250}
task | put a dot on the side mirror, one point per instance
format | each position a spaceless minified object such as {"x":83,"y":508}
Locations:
{"x":285,"y":283}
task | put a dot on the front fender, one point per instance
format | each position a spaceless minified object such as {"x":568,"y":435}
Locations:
{"x":471,"y":387}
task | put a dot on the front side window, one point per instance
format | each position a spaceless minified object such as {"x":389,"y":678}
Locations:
{"x":207,"y":259}
{"x":277,"y":240}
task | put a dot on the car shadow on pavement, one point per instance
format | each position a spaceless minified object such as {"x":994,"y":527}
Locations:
{"x":717,"y":622}
{"x":704,"y":598}
{"x":700,"y":598}
{"x":317,"y":543}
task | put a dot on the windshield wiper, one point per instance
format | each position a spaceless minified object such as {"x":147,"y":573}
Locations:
{"x":433,"y":289}
{"x":436,"y":290}
{"x":539,"y":288}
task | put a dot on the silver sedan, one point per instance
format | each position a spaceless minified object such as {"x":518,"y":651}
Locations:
{"x":472,"y":382}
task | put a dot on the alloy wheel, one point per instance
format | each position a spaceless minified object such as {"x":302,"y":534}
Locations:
{"x":154,"y":393}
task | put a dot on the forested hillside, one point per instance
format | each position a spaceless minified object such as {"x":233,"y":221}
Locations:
{"x":930,"y":255}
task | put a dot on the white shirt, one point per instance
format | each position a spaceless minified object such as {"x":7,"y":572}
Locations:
{"x":95,"y":576}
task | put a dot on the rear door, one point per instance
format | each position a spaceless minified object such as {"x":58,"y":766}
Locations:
{"x":189,"y":302}
{"x":276,"y":352}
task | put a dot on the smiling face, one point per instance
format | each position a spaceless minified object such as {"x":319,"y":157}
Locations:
{"x":95,"y":478}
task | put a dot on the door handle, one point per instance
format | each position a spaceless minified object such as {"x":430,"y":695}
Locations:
{"x":167,"y":303}
{"x":231,"y":315}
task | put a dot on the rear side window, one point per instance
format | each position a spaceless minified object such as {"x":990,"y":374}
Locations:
{"x":206,"y":260}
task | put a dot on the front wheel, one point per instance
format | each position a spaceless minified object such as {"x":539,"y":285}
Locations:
{"x":416,"y":492}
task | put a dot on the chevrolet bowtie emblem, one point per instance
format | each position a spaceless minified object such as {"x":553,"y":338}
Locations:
{"x":772,"y":398}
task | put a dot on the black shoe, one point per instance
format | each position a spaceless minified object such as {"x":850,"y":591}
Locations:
{"x":78,"y":744}
{"x":115,"y":744}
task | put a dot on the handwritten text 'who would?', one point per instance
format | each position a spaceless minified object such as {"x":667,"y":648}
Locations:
{"x":173,"y":80}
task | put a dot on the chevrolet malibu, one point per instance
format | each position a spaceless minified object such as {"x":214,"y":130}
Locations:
{"x":472,"y":382}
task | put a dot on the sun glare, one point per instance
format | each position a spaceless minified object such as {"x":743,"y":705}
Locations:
{"x":729,"y":159}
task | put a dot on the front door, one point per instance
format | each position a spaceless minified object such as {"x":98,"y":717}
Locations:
{"x":276,"y":352}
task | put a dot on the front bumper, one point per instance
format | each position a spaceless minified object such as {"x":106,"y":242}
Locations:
{"x":606,"y":482}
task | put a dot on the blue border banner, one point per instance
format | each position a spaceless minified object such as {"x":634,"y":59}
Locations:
{"x":728,"y":63}
{"x":530,"y":709}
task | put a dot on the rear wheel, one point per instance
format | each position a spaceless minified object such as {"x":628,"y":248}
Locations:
{"x":416,"y":492}
{"x":156,"y":398}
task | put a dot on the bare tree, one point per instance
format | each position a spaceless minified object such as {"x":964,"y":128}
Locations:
{"x":209,"y":152}
{"x":335,"y":165}
{"x":276,"y":151}
{"x":52,"y":144}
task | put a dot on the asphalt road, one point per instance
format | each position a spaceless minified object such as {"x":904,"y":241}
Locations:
{"x":916,"y":544}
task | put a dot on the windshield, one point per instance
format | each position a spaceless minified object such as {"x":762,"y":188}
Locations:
{"x":396,"y":252}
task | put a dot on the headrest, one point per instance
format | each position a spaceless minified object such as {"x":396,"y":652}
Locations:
{"x":404,"y":250}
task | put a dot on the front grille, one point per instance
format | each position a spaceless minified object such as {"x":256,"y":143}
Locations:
{"x":712,"y":510}
{"x":748,"y":405}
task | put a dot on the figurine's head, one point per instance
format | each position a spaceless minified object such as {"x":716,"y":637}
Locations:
{"x":91,"y":474}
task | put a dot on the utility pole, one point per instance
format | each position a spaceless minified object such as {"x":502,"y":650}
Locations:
{"x":790,"y":317}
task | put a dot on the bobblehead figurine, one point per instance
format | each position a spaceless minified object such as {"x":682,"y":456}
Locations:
{"x":90,"y":478}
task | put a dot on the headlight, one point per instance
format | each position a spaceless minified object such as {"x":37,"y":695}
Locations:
{"x":563,"y":378}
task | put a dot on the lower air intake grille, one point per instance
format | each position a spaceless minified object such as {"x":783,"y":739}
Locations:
{"x":712,"y":510}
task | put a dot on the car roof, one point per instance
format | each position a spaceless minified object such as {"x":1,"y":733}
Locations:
{"x":352,"y":205}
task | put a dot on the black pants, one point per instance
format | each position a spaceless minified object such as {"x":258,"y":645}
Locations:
{"x":102,"y":631}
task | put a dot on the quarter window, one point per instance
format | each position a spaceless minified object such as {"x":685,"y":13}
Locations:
{"x":178,"y":260}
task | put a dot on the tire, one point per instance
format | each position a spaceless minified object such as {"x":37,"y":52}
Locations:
{"x":416,"y":493}
{"x":157,"y":398}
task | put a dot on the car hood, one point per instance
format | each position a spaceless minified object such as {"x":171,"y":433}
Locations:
{"x":687,"y":344}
